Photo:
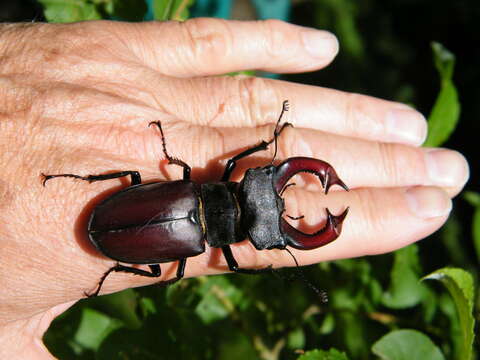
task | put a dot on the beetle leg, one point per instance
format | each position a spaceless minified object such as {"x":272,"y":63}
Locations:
{"x":233,"y":265}
{"x":155,"y":272}
{"x":135,"y":175}
{"x":179,"y":276}
{"x":171,"y":160}
{"x":276,"y":133}
{"x":155,"y":269}
{"x":232,"y":163}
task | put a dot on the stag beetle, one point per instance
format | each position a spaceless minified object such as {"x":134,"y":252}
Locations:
{"x":166,"y":221}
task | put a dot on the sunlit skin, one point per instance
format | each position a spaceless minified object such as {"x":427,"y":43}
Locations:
{"x":78,"y":99}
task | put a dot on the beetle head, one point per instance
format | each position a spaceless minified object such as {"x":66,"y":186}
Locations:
{"x":328,"y":177}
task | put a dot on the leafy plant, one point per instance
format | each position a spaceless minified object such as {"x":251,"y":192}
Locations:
{"x":446,"y":111}
{"x":132,"y":10}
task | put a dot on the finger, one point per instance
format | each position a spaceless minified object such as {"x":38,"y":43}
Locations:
{"x":233,"y":102}
{"x":207,"y":46}
{"x":372,"y":164}
{"x":250,"y":101}
{"x":359,"y":163}
{"x":379,"y":221}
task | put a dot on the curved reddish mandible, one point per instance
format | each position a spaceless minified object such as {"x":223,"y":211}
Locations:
{"x":328,"y":177}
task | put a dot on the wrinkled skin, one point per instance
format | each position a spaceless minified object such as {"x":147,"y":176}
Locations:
{"x":77,"y":98}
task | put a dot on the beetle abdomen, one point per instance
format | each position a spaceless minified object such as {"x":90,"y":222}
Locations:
{"x":149,"y":223}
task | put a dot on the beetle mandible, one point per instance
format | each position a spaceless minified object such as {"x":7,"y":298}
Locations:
{"x":167,"y":221}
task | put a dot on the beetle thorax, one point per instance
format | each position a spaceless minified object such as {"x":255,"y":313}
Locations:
{"x":261,"y":208}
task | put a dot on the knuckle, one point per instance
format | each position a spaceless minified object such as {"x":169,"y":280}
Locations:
{"x":401,"y":165}
{"x":368,"y":204}
{"x":358,"y":119}
{"x":207,"y":37}
{"x":388,"y":167}
{"x":275,"y":33}
{"x":256,"y":96}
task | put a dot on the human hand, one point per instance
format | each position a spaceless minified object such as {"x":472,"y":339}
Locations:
{"x":78,"y":98}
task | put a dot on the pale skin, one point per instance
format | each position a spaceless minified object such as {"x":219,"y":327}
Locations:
{"x":78,"y":98}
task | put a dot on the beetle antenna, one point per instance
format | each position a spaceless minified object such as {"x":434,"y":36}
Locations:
{"x":322,"y":294}
{"x":277,"y":132}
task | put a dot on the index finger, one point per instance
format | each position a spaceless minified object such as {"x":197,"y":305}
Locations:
{"x":207,"y":46}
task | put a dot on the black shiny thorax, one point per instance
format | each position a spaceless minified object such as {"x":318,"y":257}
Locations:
{"x":252,"y":208}
{"x":262,"y":208}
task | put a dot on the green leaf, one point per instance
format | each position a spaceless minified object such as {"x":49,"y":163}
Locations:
{"x":94,"y":328}
{"x":342,"y":17}
{"x":405,"y":288}
{"x":460,"y":285}
{"x":332,"y":354}
{"x":476,"y":231}
{"x":444,"y":60}
{"x":452,"y":238}
{"x":171,"y":9}
{"x":406,"y":345}
{"x":64,"y":11}
{"x":474,"y":199}
{"x":147,"y":306}
{"x":162,"y":9}
{"x":446,"y":110}
{"x":296,"y":339}
{"x":355,"y":332}
{"x":243,"y":72}
{"x":122,"y":305}
{"x":131,"y":10}
{"x":328,"y":324}
{"x":220,"y":298}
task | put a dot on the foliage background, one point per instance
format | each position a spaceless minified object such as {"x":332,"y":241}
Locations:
{"x":378,"y":307}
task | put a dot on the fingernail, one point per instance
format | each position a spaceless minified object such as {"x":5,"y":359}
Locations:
{"x":407,"y":126}
{"x":446,"y":167}
{"x":320,"y":44}
{"x":428,"y":202}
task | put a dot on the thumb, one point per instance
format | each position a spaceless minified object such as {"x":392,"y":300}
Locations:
{"x":22,"y":339}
